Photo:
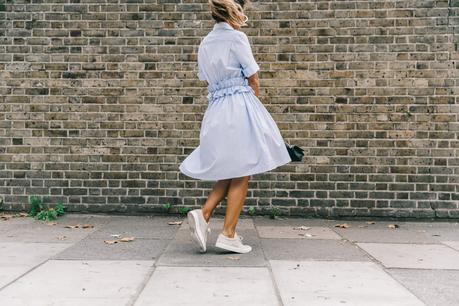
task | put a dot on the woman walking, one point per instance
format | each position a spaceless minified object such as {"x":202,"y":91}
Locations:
{"x":238,"y":136}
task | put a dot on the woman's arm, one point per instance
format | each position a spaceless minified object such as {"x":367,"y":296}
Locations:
{"x":254,"y":82}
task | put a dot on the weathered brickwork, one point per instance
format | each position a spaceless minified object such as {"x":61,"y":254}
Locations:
{"x":100,"y":102}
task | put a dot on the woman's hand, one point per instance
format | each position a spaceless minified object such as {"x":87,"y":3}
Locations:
{"x":254,"y":82}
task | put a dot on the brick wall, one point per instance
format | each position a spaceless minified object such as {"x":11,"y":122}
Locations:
{"x":100,"y":102}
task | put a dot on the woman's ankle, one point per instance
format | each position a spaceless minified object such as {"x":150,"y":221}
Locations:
{"x":206,"y":215}
{"x":228,"y":233}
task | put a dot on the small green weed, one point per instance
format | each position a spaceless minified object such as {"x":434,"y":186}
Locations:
{"x":251,"y":211}
{"x":60,"y":208}
{"x":167,"y":206}
{"x":36,"y":205}
{"x":47,"y":215}
{"x":183,"y":210}
{"x":274,"y":213}
{"x":39,"y":212}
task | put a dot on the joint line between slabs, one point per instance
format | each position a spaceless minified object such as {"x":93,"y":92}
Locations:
{"x":271,"y":274}
{"x":36,"y":266}
{"x":385,"y":270}
{"x":150,"y":273}
{"x":24,"y":274}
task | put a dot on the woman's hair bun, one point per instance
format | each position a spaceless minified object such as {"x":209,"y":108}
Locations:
{"x":228,"y":11}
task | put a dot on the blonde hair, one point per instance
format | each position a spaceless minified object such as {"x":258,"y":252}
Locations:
{"x":229,"y":11}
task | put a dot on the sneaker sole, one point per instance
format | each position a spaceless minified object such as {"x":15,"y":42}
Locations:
{"x":230,"y":248}
{"x":194,"y":234}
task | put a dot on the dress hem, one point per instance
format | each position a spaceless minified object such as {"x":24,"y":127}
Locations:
{"x":253,"y":172}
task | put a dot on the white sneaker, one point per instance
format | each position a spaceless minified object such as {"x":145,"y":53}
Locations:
{"x":232,"y":244}
{"x":199,"y":228}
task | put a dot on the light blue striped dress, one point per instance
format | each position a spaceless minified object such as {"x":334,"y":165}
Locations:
{"x":238,"y":136}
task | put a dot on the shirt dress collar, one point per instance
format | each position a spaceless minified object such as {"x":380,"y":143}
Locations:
{"x":223,"y":25}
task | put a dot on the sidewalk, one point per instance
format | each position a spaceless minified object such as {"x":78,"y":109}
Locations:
{"x":293,"y":262}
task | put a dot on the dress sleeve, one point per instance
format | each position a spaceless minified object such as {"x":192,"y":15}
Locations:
{"x":243,"y":52}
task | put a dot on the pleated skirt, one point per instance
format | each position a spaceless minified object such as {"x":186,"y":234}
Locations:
{"x":238,"y":137}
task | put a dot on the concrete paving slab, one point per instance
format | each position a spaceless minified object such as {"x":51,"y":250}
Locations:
{"x":431,"y":224}
{"x":155,"y":240}
{"x":383,"y":235}
{"x":137,"y":226}
{"x":45,"y":234}
{"x":373,"y":224}
{"x":40,"y":231}
{"x":159,"y":218}
{"x":10,"y":273}
{"x":86,"y":281}
{"x":338,"y":283}
{"x":281,"y":221}
{"x":16,"y":258}
{"x":288,"y":232}
{"x":153,"y":221}
{"x":318,"y":249}
{"x":413,"y":256}
{"x":453,"y":244}
{"x":290,"y":221}
{"x":86,"y":218}
{"x":433,"y":287}
{"x":178,"y":286}
{"x":13,"y":223}
{"x":65,"y":302}
{"x":444,"y":234}
{"x":96,"y":249}
{"x":136,"y":230}
{"x":183,"y":252}
{"x":72,"y":219}
{"x":439,"y":231}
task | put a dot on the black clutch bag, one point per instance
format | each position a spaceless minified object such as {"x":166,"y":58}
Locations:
{"x":295,"y":152}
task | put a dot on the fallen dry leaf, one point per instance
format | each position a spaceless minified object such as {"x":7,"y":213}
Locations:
{"x":393,"y":226}
{"x":51,"y":223}
{"x":174,"y":222}
{"x":233,"y":257}
{"x":61,"y":237}
{"x":111,"y":241}
{"x":6,"y":216}
{"x":124,"y":239}
{"x":343,"y":225}
{"x":80,"y":226}
{"x":371,"y":222}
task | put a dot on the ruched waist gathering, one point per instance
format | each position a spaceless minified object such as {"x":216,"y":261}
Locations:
{"x":228,"y":87}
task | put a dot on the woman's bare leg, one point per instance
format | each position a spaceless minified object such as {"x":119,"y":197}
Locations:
{"x":217,"y":194}
{"x":235,"y":201}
